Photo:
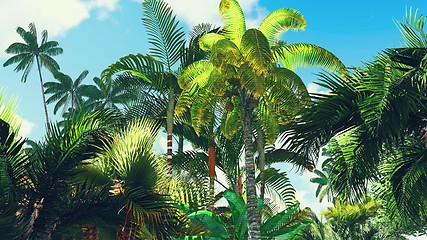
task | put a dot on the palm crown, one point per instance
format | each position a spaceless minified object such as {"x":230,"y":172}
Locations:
{"x":248,"y":59}
{"x":68,"y":93}
{"x":26,"y":52}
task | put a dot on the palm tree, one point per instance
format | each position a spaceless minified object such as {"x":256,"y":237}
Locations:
{"x":139,"y":177}
{"x":242,"y":74}
{"x":25,"y":53}
{"x":66,"y":92}
{"x":110,"y":94}
{"x":155,"y":70}
{"x":377,"y":118}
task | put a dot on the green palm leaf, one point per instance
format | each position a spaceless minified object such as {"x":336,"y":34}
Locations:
{"x":150,"y":70}
{"x":207,"y":41}
{"x":233,"y":19}
{"x":164,"y":33}
{"x":278,"y":185}
{"x":300,"y":55}
{"x":13,"y":169}
{"x":269,"y":120}
{"x":412,"y":30}
{"x":238,"y":212}
{"x":278,"y":219}
{"x":280,"y":21}
{"x":225,"y":54}
{"x":407,"y":178}
{"x":256,"y":50}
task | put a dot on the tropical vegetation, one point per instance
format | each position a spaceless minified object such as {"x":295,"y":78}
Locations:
{"x":232,"y":93}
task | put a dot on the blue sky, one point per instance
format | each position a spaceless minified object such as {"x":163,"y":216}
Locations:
{"x":96,"y":33}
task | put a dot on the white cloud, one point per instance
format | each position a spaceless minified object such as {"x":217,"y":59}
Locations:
{"x":193,"y":12}
{"x":26,"y":128}
{"x":315,"y":88}
{"x":55,"y":16}
{"x":307,"y":199}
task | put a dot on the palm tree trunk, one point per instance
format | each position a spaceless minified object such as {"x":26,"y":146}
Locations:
{"x":44,"y":99}
{"x":169,"y":126}
{"x":261,"y":158}
{"x":252,"y":202}
{"x":42,"y":225}
{"x":211,"y":165}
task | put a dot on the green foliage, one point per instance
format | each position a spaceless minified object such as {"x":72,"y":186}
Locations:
{"x":350,"y":221}
{"x":282,"y":225}
{"x":375,"y":118}
{"x":164,"y":33}
{"x":303,"y":55}
{"x":279,"y":21}
{"x":233,"y":19}
{"x":13,"y":164}
{"x":68,"y":93}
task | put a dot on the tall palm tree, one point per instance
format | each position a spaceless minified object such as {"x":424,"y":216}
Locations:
{"x":26,"y":52}
{"x":156,"y":70}
{"x":242,"y":74}
{"x":66,"y":92}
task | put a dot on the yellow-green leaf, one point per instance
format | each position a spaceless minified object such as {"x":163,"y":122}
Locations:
{"x":233,"y":19}
{"x":208,"y":40}
{"x":256,"y":51}
{"x":279,"y":21}
{"x":196,"y":73}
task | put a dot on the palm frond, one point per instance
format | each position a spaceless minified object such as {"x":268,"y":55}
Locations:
{"x":280,"y":21}
{"x":330,"y":115}
{"x":207,"y":41}
{"x":269,"y":120}
{"x":301,"y":55}
{"x":147,"y":68}
{"x":408,"y":179}
{"x":412,"y":30}
{"x":278,"y":185}
{"x":165,"y":35}
{"x":256,"y":50}
{"x":233,"y":19}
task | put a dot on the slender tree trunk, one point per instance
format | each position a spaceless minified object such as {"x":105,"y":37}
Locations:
{"x":169,"y":126}
{"x":252,"y":202}
{"x":261,"y":158}
{"x":211,"y":165}
{"x":42,"y":225}
{"x":44,"y":99}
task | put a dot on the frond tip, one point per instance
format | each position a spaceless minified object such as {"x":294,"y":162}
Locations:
{"x":280,"y":21}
